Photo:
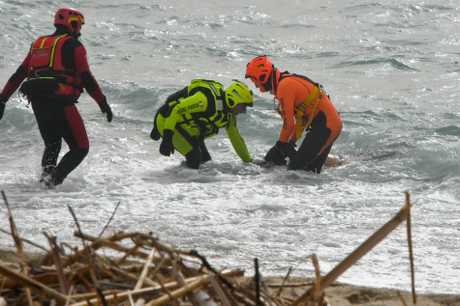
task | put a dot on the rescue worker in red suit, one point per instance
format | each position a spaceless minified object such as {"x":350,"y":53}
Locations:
{"x":56,"y":72}
{"x":304,"y":107}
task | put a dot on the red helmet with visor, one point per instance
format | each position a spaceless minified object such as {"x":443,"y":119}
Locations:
{"x":70,"y":18}
{"x":259,"y":70}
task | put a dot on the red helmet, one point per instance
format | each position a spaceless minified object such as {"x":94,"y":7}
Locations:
{"x":71,"y":19}
{"x":259,"y":69}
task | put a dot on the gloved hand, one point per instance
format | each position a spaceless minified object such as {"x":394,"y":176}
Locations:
{"x":154,"y":134}
{"x":286,"y":148}
{"x":166,"y":146}
{"x":3,"y":100}
{"x":275,"y":156}
{"x":105,"y":109}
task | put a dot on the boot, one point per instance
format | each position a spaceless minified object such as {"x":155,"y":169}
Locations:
{"x":46,"y":171}
{"x":50,"y":179}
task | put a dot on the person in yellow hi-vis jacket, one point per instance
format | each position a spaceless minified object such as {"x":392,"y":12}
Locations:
{"x":197,"y":112}
{"x":304,"y":106}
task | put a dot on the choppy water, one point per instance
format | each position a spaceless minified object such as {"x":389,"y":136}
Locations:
{"x":391,"y":67}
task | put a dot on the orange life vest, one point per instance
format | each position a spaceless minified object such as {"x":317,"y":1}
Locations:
{"x":46,"y":62}
{"x":306,"y":111}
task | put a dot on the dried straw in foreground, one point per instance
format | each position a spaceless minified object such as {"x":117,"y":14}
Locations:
{"x":141,"y":270}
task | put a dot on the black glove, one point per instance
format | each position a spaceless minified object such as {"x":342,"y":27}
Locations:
{"x":166,"y":146}
{"x":274,"y":155}
{"x":286,"y":148}
{"x":105,"y":109}
{"x":154,"y":134}
{"x":3,"y":100}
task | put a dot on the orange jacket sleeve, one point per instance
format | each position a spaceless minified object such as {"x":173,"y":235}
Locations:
{"x":289,"y":92}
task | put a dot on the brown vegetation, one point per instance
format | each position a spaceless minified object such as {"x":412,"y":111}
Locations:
{"x":139,"y":269}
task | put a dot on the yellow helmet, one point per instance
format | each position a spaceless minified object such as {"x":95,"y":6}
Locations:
{"x":238,"y":93}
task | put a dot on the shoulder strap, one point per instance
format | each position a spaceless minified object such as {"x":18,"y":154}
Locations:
{"x":286,"y":74}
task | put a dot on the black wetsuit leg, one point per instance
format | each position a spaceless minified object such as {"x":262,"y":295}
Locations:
{"x":193,"y":158}
{"x":317,"y":164}
{"x":57,"y":122}
{"x":312,"y":144}
{"x":74,"y":134}
{"x":46,"y":114}
{"x":198,"y":155}
{"x":205,"y":156}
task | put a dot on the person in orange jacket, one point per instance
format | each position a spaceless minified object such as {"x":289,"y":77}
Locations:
{"x":303,"y":106}
{"x":56,"y":72}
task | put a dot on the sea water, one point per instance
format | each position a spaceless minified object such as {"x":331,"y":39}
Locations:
{"x":391,"y":67}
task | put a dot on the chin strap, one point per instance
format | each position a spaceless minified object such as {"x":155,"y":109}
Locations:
{"x":274,"y":83}
{"x":270,"y":82}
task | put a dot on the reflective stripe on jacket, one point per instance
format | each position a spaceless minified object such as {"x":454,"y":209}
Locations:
{"x":46,"y":61}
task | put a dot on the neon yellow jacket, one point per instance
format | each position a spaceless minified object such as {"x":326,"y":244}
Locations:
{"x":200,"y":111}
